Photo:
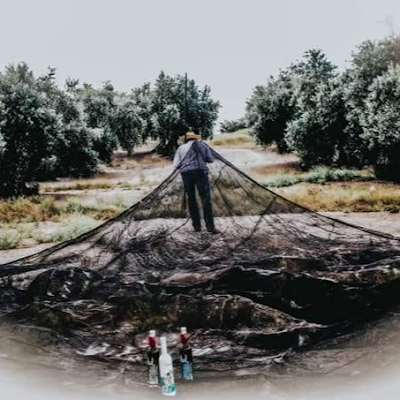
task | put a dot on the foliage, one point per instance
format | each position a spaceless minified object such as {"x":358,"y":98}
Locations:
{"x":26,"y":124}
{"x":127,"y":126}
{"x":179,"y":105}
{"x":316,"y":132}
{"x":47,"y":132}
{"x":75,"y":152}
{"x":319,"y":175}
{"x":74,"y":226}
{"x":233,"y":126}
{"x":381,"y":124}
{"x":142,"y":97}
{"x":322,"y":114}
{"x":9,"y":239}
{"x":104,"y":143}
{"x":270,"y":109}
{"x":238,"y":138}
{"x":99,"y":107}
{"x":371,"y":60}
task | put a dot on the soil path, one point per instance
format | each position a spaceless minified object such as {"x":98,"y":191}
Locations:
{"x":145,"y":171}
{"x":380,"y":221}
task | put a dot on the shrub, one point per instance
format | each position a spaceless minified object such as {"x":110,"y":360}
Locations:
{"x":319,"y":175}
{"x":34,"y":209}
{"x":127,"y":126}
{"x":270,"y":109}
{"x":178,"y":104}
{"x":26,"y":123}
{"x":316,"y":132}
{"x":73,"y":227}
{"x":238,"y":138}
{"x":9,"y":239}
{"x":381,"y":123}
{"x":233,"y":126}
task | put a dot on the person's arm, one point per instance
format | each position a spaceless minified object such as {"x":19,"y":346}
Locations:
{"x":209,"y":157}
{"x":177,"y":159}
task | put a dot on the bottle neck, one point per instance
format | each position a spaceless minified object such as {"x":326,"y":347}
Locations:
{"x":152,"y":341}
{"x":163,"y":342}
{"x":184,"y":338}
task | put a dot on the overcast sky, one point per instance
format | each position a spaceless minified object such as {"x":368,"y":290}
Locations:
{"x":231,"y":45}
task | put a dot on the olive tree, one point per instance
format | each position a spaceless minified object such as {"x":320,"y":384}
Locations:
{"x":26,"y":124}
{"x":233,"y":125}
{"x":370,"y":60}
{"x":270,"y":109}
{"x":127,"y":126}
{"x":178,"y":104}
{"x":316,"y":132}
{"x":381,"y":124}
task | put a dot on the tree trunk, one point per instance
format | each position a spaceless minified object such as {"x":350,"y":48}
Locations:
{"x":167,"y":149}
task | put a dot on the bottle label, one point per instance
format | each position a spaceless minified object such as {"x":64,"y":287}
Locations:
{"x":187,"y":370}
{"x":167,"y":384}
{"x":153,"y":375}
{"x":152,"y":366}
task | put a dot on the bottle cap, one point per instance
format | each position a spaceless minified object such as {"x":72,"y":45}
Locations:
{"x":183,"y":330}
{"x":152,"y":333}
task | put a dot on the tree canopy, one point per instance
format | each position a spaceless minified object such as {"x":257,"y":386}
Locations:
{"x":48,"y":132}
{"x":326,"y":116}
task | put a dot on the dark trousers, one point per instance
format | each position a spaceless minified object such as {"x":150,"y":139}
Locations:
{"x":198,"y":179}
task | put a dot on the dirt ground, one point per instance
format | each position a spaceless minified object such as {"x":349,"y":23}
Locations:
{"x":139,"y":175}
{"x":381,"y":221}
{"x":145,"y":170}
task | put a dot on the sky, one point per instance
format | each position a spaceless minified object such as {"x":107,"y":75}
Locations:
{"x":230,"y":45}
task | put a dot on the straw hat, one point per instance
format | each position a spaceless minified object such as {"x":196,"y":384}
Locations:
{"x":191,"y":136}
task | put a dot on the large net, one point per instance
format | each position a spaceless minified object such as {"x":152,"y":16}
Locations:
{"x":276,"y":277}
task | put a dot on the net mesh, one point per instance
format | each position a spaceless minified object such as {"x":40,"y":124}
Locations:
{"x":276,"y":276}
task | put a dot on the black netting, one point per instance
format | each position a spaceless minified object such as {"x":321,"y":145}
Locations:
{"x":276,"y":276}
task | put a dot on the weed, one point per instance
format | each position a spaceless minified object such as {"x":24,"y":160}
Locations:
{"x":9,"y":239}
{"x":319,"y":175}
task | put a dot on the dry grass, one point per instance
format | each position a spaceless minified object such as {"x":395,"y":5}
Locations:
{"x":45,"y":208}
{"x":70,"y":228}
{"x":78,"y":185}
{"x":142,"y":159}
{"x":86,"y":185}
{"x":34,"y":209}
{"x":260,"y":171}
{"x":346,"y":197}
{"x":13,"y":236}
{"x":22,"y":235}
{"x":75,"y":217}
{"x":240,"y":138}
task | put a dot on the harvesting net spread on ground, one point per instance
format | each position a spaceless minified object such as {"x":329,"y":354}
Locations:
{"x":276,"y":277}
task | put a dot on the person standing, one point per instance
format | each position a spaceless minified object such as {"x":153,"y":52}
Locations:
{"x":191,"y":159}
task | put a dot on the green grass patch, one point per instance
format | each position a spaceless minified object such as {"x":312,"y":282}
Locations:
{"x":9,"y":239}
{"x":12,"y":235}
{"x":319,"y":175}
{"x":71,"y":228}
{"x":98,"y":209}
